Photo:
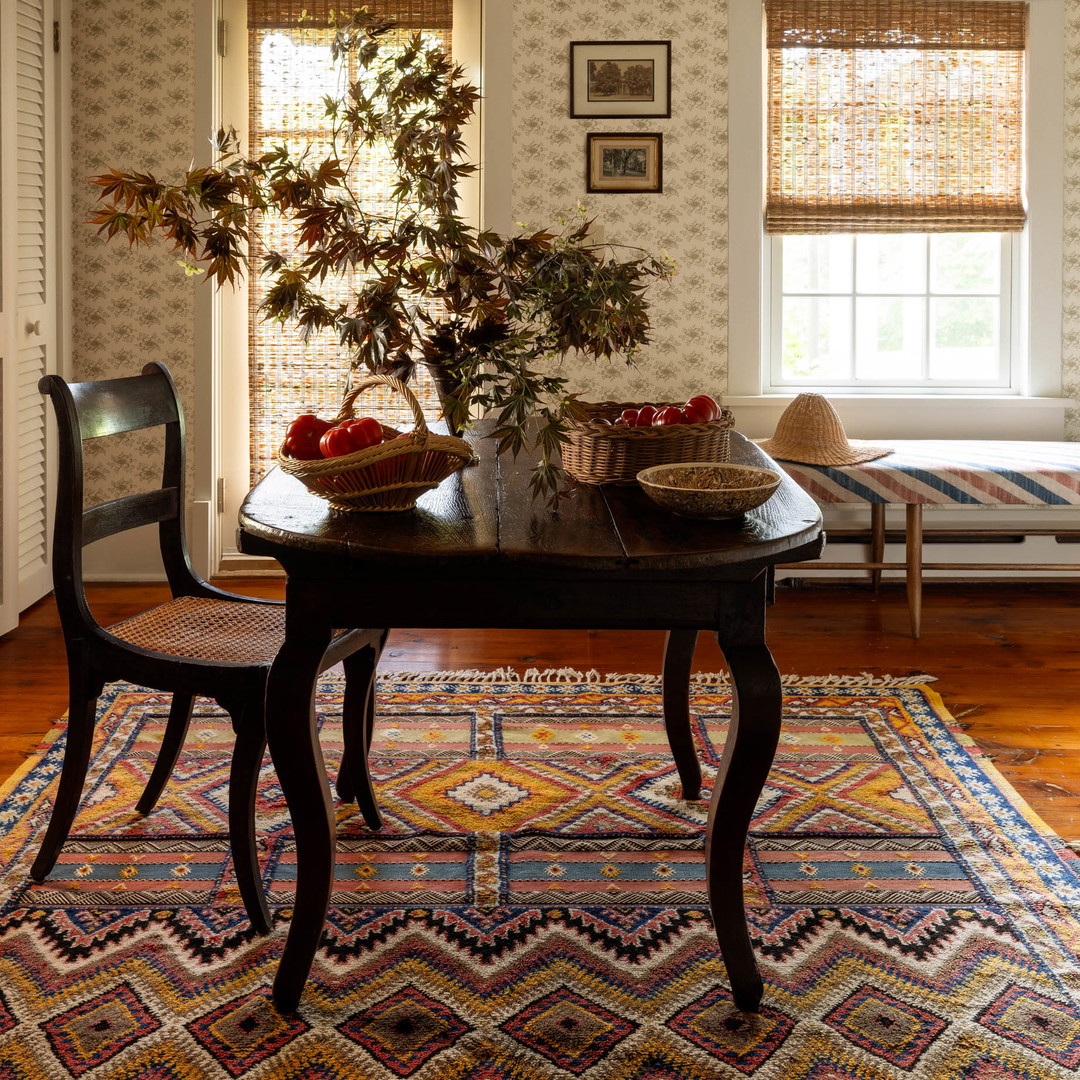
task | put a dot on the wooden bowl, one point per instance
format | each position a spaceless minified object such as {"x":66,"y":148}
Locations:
{"x":709,"y":490}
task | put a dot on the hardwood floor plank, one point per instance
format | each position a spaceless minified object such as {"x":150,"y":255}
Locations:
{"x":1006,"y":659}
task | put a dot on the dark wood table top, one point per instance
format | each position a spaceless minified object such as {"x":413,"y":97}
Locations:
{"x":485,"y":514}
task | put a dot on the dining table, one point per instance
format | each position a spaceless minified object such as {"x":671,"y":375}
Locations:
{"x":479,"y":551}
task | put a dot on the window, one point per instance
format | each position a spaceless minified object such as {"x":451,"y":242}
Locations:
{"x":894,"y":193}
{"x":877,"y":310}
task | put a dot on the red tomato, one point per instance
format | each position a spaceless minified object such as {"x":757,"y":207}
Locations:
{"x":668,"y":415}
{"x":303,"y":435}
{"x":700,"y":409}
{"x":629,"y":417}
{"x":645,"y":416}
{"x":350,"y":436}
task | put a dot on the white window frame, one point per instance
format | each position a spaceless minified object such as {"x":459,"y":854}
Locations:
{"x":1031,"y":407}
{"x":1010,"y":372}
{"x":221,"y":444}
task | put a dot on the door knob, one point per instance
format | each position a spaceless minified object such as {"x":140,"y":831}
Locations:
{"x":33,"y":329}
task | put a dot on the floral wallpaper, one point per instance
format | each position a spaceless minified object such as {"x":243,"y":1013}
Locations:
{"x":133,"y":106}
{"x":133,"y":64}
{"x":688,"y":219}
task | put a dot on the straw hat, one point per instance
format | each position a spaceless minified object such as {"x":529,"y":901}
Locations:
{"x":810,"y":431}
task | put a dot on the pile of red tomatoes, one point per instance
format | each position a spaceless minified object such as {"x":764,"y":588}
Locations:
{"x":309,"y":438}
{"x":697,"y":410}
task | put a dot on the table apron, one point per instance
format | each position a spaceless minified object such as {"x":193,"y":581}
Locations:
{"x":735,"y":607}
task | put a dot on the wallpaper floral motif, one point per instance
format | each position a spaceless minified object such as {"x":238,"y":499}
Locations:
{"x":132,"y":107}
{"x":688,"y":219}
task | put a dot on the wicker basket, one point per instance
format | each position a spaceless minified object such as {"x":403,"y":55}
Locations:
{"x":390,"y":476}
{"x":599,"y":453}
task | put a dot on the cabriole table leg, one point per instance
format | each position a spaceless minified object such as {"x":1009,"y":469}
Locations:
{"x":751,"y":744}
{"x":298,"y":761}
{"x":678,"y":665}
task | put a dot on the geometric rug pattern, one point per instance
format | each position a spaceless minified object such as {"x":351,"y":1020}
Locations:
{"x":534,"y":906}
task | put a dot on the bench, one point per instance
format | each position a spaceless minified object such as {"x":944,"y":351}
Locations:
{"x":943,"y":472}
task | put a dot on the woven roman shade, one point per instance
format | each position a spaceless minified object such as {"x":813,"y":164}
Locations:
{"x":894,"y":116}
{"x":410,"y":14}
{"x":289,"y":73}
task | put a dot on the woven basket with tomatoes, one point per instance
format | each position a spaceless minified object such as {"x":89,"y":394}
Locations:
{"x":360,"y":464}
{"x":602,"y":448}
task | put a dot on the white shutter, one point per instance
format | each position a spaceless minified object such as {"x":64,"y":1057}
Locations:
{"x":28,"y":189}
{"x":33,"y":475}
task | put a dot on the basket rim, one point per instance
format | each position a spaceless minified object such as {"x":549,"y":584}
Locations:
{"x":774,"y":475}
{"x":581,"y":423}
{"x":399,"y":446}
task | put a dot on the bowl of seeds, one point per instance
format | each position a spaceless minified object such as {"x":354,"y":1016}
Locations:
{"x":708,"y":490}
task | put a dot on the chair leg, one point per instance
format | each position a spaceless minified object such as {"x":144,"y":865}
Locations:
{"x":171,"y":745}
{"x":678,"y":662}
{"x":248,"y":723}
{"x":82,"y":716}
{"x":358,"y":726}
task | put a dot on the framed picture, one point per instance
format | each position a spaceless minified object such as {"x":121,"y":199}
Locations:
{"x":624,"y":162}
{"x":611,"y":79}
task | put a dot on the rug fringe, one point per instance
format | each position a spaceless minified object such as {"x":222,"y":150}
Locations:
{"x":702,"y":678}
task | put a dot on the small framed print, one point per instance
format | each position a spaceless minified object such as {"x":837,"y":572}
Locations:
{"x":624,"y":162}
{"x":610,"y":79}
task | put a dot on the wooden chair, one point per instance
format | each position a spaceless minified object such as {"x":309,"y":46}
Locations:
{"x":203,"y":641}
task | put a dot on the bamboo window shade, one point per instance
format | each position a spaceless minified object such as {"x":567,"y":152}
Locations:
{"x":289,"y":73}
{"x":895,"y":116}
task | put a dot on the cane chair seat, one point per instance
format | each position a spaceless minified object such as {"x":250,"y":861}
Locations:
{"x":202,"y":628}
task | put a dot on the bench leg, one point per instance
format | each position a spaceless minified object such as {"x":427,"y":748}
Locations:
{"x":914,"y":538}
{"x":877,"y":541}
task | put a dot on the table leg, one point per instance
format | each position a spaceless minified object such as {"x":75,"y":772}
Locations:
{"x":358,"y":725}
{"x":877,"y":541}
{"x":748,"y":753}
{"x":678,"y":662}
{"x":293,"y":739}
{"x":913,"y":551}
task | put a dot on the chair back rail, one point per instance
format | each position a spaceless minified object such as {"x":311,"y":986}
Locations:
{"x":92,"y":410}
{"x":118,"y":515}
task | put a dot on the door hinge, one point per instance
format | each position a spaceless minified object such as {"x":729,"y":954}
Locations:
{"x":56,"y":36}
{"x":220,"y":508}
{"x":221,"y":38}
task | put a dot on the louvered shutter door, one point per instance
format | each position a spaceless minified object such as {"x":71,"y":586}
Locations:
{"x":30,"y":301}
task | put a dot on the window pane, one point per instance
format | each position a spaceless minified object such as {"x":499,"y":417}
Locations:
{"x":889,"y":337}
{"x":817,"y":338}
{"x":817,"y":264}
{"x":965,"y":263}
{"x":963,"y":338}
{"x":890,"y":264}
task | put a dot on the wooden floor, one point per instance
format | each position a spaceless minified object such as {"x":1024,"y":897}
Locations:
{"x":1006,"y":658}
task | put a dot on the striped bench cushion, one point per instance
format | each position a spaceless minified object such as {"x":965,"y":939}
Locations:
{"x":946,"y":471}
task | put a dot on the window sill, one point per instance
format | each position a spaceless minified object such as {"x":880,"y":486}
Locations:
{"x":912,"y":416}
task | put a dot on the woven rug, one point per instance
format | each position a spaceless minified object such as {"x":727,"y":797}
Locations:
{"x":534,"y":906}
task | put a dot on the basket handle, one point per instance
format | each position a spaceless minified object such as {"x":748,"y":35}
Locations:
{"x":353,"y":391}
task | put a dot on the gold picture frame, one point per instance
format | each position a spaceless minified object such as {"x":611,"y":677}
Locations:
{"x":624,"y":162}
